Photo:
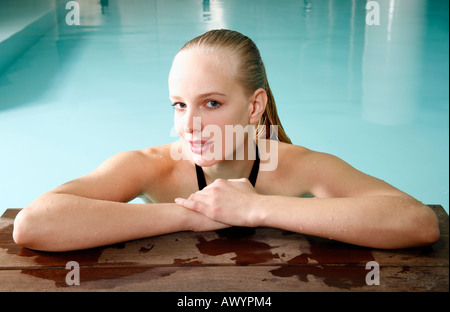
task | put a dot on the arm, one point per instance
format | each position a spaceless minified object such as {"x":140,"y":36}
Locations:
{"x":350,"y":206}
{"x":93,"y":211}
{"x":62,"y":222}
{"x":380,"y":221}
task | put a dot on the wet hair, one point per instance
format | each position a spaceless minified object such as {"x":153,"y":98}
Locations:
{"x":251,"y":73}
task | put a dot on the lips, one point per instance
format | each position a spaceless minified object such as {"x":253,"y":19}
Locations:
{"x":199,"y":146}
{"x":197,"y":142}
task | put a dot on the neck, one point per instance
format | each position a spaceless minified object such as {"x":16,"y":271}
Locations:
{"x":234,"y":168}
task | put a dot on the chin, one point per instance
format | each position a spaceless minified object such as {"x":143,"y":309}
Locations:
{"x":202,"y":156}
{"x":204,"y":162}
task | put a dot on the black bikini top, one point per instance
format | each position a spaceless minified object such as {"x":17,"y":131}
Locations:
{"x":252,"y":178}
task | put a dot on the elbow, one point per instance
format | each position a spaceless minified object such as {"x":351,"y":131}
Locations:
{"x":22,"y":231}
{"x":432,"y":232}
{"x":28,"y":229}
{"x":426,"y":226}
{"x":418,"y":226}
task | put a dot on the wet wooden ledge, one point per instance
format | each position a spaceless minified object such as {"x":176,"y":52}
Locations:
{"x":235,"y":259}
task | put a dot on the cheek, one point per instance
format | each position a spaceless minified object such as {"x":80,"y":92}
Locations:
{"x":178,"y":124}
{"x":241,"y":116}
{"x":236,"y":114}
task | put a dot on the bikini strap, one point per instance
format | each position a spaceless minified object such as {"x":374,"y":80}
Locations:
{"x":200,"y":177}
{"x":252,"y":178}
{"x":255,"y":169}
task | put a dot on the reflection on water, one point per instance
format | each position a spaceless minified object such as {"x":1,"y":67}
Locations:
{"x":391,"y":63}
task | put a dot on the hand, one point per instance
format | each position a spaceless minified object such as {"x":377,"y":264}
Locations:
{"x":227,"y":201}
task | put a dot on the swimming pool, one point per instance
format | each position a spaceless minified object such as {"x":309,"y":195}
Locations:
{"x":374,"y":95}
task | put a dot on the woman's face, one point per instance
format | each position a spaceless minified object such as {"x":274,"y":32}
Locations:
{"x":207,"y":97}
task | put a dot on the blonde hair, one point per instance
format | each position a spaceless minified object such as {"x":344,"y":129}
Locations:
{"x":251,"y":73}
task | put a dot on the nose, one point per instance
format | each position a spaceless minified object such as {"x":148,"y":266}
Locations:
{"x":192,"y":122}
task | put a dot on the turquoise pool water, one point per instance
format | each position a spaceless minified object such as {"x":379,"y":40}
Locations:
{"x":375,"y":95}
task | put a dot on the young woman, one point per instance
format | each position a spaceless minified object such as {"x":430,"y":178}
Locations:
{"x":199,"y":183}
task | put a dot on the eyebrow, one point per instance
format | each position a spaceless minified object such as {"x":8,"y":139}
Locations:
{"x":203,"y":95}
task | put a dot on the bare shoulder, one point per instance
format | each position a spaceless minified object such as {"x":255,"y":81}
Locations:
{"x":288,"y":155}
{"x":155,"y":161}
{"x":281,"y":168}
{"x":292,"y":150}
{"x":134,"y":161}
{"x":307,"y":159}
{"x":304,"y":171}
{"x":121,"y":177}
{"x":283,"y":149}
{"x":156,"y":154}
{"x":326,"y":175}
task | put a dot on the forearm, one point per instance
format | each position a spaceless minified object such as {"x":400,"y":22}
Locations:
{"x":376,"y":221}
{"x":60,"y":222}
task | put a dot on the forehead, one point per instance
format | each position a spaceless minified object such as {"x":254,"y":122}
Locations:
{"x":202,"y":70}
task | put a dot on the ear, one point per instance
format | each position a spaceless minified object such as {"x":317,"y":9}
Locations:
{"x":257,"y":106}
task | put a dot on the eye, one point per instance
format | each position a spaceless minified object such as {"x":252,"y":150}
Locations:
{"x":213,"y":104}
{"x":178,"y":105}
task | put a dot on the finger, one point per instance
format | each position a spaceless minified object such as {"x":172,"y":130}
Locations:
{"x":186,"y":203}
{"x":202,"y":197}
{"x":189,"y":204}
